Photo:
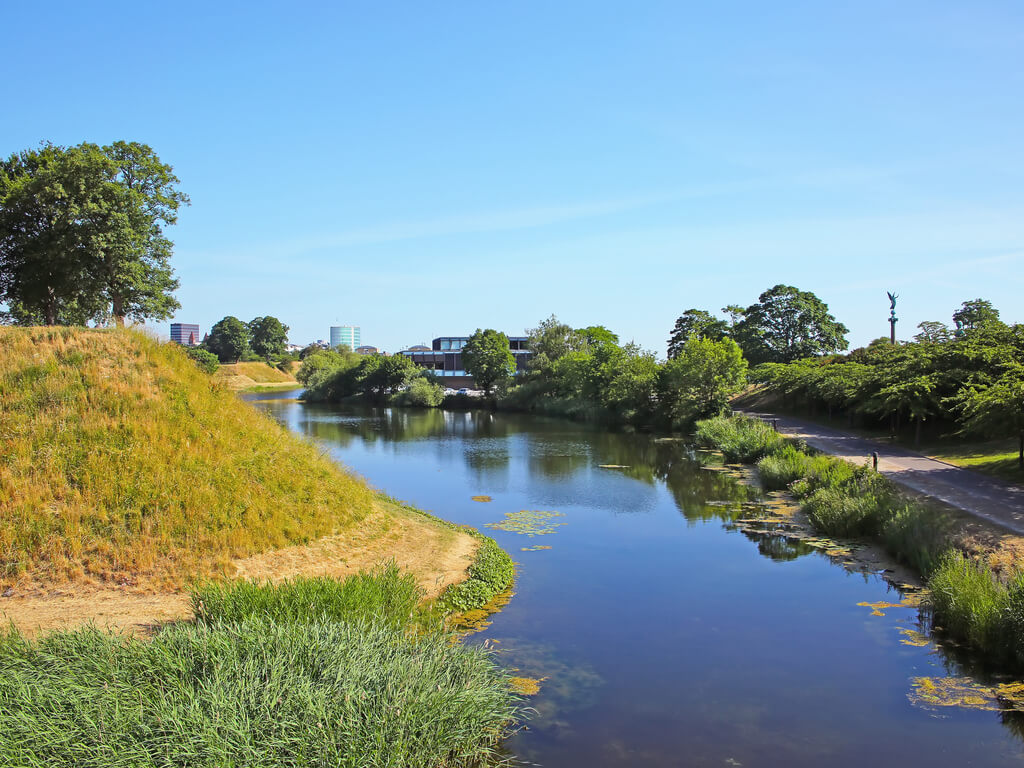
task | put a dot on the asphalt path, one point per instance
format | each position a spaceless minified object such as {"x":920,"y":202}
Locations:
{"x":971,"y":492}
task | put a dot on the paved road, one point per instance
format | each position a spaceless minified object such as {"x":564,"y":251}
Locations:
{"x":976,"y":494}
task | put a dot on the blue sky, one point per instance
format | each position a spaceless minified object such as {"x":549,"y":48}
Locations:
{"x":424,"y":169}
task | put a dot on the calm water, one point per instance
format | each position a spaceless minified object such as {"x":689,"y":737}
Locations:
{"x":667,"y":637}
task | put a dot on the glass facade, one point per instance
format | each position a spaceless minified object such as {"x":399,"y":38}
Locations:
{"x":445,"y":355}
{"x":346,"y":335}
{"x":185,"y":333}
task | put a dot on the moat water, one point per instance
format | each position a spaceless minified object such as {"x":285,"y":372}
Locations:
{"x":663,"y":635}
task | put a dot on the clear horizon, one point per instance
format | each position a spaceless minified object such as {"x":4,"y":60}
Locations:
{"x":422,"y":172}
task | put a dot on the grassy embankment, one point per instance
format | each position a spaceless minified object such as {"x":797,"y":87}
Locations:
{"x":122,"y":462}
{"x":255,"y":377}
{"x":969,"y":599}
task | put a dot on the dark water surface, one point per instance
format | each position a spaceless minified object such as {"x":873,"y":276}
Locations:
{"x":667,"y":637}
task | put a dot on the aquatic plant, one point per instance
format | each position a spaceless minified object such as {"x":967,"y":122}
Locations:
{"x":491,"y":573}
{"x":529,"y":522}
{"x":970,"y":603}
{"x":739,"y":438}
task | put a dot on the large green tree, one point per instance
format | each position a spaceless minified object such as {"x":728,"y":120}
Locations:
{"x":228,"y":339}
{"x":696,"y":322}
{"x":488,"y":359}
{"x":699,"y":380}
{"x":551,"y":340}
{"x":787,"y":324}
{"x":82,"y":234}
{"x":976,"y":315}
{"x":142,"y":199}
{"x":47,"y":273}
{"x":268,"y":336}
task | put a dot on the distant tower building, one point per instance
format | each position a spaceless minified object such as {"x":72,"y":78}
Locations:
{"x":345,"y":335}
{"x":185,"y":333}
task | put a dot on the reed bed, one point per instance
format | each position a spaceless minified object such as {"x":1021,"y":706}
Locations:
{"x":385,"y":596}
{"x":305,"y":673}
{"x":252,"y":693}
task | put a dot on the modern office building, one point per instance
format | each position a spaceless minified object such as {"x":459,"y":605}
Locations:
{"x":345,"y":335}
{"x":185,"y":333}
{"x":444,"y":358}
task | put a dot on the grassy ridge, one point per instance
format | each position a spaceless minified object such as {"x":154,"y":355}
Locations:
{"x":120,"y":459}
{"x":969,"y":600}
{"x":259,"y":372}
{"x":253,"y":691}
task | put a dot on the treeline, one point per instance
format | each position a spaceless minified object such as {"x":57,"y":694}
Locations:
{"x":783,"y":325}
{"x":969,"y":378}
{"x":585,"y":373}
{"x":581,"y":373}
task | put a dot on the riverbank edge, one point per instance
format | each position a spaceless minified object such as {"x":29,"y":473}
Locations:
{"x":968,"y":599}
{"x":491,"y":573}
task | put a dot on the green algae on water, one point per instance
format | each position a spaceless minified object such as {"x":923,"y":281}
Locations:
{"x":529,"y":522}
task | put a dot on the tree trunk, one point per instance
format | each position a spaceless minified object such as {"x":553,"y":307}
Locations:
{"x":917,"y":433}
{"x":51,"y":308}
{"x":117,"y":309}
{"x":1020,"y":453}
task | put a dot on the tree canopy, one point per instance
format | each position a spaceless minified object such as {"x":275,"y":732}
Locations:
{"x":699,"y":323}
{"x":228,"y":339}
{"x":698,"y":381}
{"x":787,"y":324}
{"x":82,"y":234}
{"x":268,"y":336}
{"x":488,"y":359}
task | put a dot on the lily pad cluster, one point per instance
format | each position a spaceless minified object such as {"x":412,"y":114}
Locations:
{"x":528,"y":522}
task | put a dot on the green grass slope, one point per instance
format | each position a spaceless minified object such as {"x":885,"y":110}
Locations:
{"x":121,"y":461}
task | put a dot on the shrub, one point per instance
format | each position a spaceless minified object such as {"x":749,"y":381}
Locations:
{"x":420,"y":394}
{"x":740,"y":438}
{"x":206,"y":360}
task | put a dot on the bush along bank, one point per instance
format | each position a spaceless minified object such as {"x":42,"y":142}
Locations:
{"x":969,"y":601}
{"x":308,"y":672}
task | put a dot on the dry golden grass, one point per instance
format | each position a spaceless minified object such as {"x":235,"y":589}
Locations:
{"x":260,"y":373}
{"x":121,"y":462}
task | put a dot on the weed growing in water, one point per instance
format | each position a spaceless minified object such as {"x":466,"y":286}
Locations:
{"x":529,"y":522}
{"x":739,"y":438}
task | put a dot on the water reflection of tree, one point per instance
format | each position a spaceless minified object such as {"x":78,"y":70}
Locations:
{"x":779,"y":548}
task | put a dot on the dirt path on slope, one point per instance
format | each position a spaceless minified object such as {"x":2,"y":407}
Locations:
{"x":438,"y":556}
